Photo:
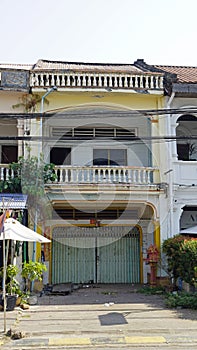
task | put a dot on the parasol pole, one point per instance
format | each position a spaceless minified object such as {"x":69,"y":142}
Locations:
{"x":4,"y":265}
{"x":5,"y":260}
{"x":4,"y":281}
{"x":4,"y":269}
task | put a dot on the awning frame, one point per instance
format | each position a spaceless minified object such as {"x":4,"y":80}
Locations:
{"x":13,"y":201}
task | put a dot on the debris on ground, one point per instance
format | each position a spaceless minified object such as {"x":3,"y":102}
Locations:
{"x":108,"y":304}
{"x":64,"y":288}
{"x":13,"y":334}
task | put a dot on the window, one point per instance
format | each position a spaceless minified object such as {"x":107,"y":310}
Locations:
{"x":109,"y":157}
{"x":9,"y":154}
{"x":60,"y":156}
{"x":183,"y":151}
{"x":88,"y":133}
{"x":186,"y":134}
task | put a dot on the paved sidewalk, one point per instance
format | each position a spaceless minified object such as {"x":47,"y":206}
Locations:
{"x":102,"y":315}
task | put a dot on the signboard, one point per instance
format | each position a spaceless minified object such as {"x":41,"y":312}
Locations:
{"x":15,"y":80}
{"x":13,"y":201}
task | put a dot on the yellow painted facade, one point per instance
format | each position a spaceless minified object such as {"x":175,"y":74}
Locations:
{"x":62,"y":99}
{"x":108,"y":91}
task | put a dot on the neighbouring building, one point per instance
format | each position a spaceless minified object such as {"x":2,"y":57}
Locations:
{"x":122,"y":183}
{"x":181,"y":124}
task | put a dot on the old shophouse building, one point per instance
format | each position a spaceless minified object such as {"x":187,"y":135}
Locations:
{"x":124,"y":181}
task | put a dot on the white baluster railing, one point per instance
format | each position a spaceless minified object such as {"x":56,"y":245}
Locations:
{"x":94,"y":174}
{"x":107,"y":174}
{"x":99,"y":80}
{"x":6,"y":173}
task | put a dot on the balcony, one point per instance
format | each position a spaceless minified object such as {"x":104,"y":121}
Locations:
{"x":185,"y":172}
{"x":123,"y":81}
{"x":95,"y":174}
{"x":105,"y":175}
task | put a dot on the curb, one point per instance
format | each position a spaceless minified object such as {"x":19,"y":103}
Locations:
{"x":69,"y":341}
{"x":96,"y":341}
{"x":106,"y":340}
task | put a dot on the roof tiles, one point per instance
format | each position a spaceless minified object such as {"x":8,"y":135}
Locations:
{"x":86,"y":67}
{"x":184,"y":74}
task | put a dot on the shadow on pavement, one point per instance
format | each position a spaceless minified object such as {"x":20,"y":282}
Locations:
{"x":112,"y":318}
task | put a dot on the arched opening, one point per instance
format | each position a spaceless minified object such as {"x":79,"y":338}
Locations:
{"x":106,"y":247}
{"x":186,"y":142}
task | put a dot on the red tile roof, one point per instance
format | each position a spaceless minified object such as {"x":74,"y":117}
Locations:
{"x":185,"y":74}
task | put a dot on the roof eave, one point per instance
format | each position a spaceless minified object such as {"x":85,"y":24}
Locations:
{"x":185,"y":89}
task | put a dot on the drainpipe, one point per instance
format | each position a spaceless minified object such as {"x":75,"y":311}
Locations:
{"x":170,"y":171}
{"x":54,"y":88}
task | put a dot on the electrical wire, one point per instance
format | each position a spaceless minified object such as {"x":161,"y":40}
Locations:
{"x":71,"y":111}
{"x":132,"y":139}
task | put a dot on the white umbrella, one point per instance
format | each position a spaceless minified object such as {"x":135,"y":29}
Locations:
{"x":17,"y":232}
{"x":189,"y":230}
{"x":12,"y":230}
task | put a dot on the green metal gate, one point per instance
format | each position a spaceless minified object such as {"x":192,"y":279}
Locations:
{"x":102,"y":255}
{"x":119,"y":262}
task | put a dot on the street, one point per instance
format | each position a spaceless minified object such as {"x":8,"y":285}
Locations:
{"x":103,"y":317}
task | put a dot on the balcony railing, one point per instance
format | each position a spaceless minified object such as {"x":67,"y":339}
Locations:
{"x":96,"y":80}
{"x":94,"y":174}
{"x":185,"y":173}
{"x":6,"y":173}
{"x":104,"y":174}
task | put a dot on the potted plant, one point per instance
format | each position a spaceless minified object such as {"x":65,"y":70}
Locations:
{"x":12,"y":286}
{"x":31,"y":271}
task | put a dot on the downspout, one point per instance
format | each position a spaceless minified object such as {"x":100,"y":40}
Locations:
{"x":52,"y":89}
{"x":170,"y":171}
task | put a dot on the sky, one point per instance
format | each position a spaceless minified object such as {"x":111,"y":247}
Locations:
{"x":161,"y":32}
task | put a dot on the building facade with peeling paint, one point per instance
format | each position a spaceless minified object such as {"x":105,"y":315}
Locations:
{"x":102,"y":126}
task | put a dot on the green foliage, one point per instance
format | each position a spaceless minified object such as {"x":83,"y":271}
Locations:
{"x":171,"y":247}
{"x":34,"y":173}
{"x":147,"y":290}
{"x":12,"y":271}
{"x":12,"y":184}
{"x":188,"y":261}
{"x":33,"y":270}
{"x":48,"y":173}
{"x":29,"y":102}
{"x":12,"y":286}
{"x":181,"y":254}
{"x":30,"y":175}
{"x":182,"y":300}
{"x":195,"y":276}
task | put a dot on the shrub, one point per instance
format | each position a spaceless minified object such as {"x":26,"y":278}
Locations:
{"x":31,"y":271}
{"x":30,"y":175}
{"x":147,"y":290}
{"x":182,"y":300}
{"x":181,"y":254}
{"x":12,"y":285}
{"x":188,"y":261}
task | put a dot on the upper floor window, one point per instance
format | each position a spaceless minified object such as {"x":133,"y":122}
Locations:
{"x":109,"y":157}
{"x":9,"y":154}
{"x":186,"y":141}
{"x":60,"y":156}
{"x":88,"y":133}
